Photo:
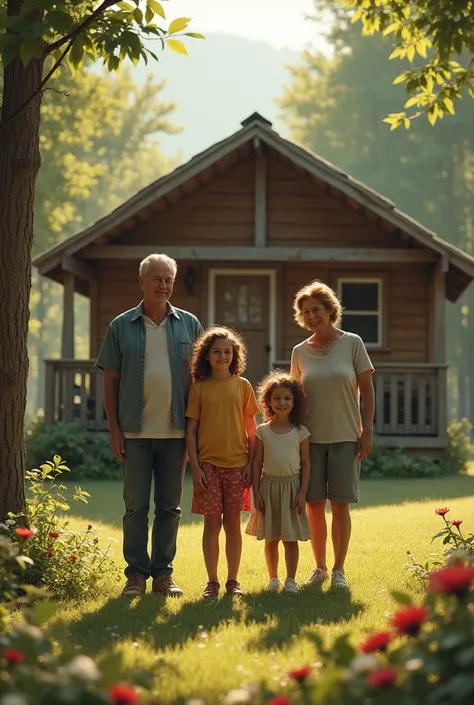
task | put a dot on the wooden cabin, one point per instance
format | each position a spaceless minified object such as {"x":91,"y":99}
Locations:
{"x":250,"y":220}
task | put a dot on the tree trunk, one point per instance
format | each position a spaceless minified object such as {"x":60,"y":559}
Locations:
{"x":19,"y":165}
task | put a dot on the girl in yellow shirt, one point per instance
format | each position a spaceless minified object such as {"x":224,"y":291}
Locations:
{"x":220,"y":436}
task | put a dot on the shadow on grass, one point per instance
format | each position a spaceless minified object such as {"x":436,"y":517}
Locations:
{"x":282,"y":617}
{"x":287,"y":616}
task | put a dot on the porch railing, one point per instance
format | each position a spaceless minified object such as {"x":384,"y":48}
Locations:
{"x":410,"y":399}
{"x":74,"y":392}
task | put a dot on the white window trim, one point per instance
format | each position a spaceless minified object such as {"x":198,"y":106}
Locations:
{"x":379,"y":312}
{"x":272,"y":313}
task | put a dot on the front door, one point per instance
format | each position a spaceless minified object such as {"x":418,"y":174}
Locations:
{"x":242,"y":303}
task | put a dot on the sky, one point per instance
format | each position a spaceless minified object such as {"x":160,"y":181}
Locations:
{"x":279,"y":22}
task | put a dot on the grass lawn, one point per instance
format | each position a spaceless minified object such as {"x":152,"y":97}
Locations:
{"x":205,"y":649}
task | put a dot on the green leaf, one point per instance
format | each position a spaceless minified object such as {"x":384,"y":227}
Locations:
{"x":149,"y":15}
{"x":109,"y":666}
{"x":76,"y":56}
{"x":402,"y":598}
{"x":177,"y":46}
{"x":138,"y":15}
{"x":113,"y":63}
{"x":30,"y":49}
{"x":43,"y":611}
{"x":194,"y":35}
{"x":157,"y":8}
{"x":178,"y":24}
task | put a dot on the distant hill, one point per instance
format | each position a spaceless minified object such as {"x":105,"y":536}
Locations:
{"x":223,"y":80}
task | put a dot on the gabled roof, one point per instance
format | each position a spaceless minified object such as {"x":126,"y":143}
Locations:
{"x":461,"y":265}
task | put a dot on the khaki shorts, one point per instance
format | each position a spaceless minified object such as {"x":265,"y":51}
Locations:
{"x":335,"y":472}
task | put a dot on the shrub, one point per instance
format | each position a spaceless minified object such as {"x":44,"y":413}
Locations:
{"x":394,"y":462}
{"x":459,"y":451}
{"x":424,"y":656}
{"x":69,"y":563}
{"x":88,"y":454}
{"x":36,"y":668}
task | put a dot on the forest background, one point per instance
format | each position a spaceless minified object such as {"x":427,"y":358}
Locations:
{"x":112,"y":135}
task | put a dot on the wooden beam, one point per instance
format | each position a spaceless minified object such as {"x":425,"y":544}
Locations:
{"x":361,"y":255}
{"x":260,"y":185}
{"x":439,"y":296}
{"x":78,"y":267}
{"x":67,"y":341}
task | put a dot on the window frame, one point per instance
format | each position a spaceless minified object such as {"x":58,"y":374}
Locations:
{"x":380,"y":305}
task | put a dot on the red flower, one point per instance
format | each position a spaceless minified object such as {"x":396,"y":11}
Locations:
{"x":53,"y":534}
{"x":456,"y":522}
{"x":24,"y":533}
{"x":300,"y":674}
{"x":455,"y":580}
{"x":383,"y":678}
{"x":50,"y":554}
{"x":376,"y":642}
{"x":123,"y":694}
{"x":13,"y":656}
{"x":408,"y":620}
{"x":89,"y":527}
{"x":73,"y":558}
{"x":441,"y":512}
{"x":280,"y":700}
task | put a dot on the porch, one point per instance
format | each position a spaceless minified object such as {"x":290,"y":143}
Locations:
{"x":410,"y":400}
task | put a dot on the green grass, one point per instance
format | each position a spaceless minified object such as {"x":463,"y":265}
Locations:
{"x":206,"y":649}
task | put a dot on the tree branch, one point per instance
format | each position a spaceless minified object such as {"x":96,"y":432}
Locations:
{"x":69,"y":40}
{"x":85,"y":23}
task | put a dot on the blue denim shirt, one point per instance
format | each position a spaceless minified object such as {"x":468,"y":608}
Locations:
{"x":123,"y":351}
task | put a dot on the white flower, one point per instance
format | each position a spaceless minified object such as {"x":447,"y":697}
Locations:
{"x":3,"y":526}
{"x":414,"y":664}
{"x":84,"y":668}
{"x":237,"y":696}
{"x":457,"y":555}
{"x":363,"y":664}
{"x":10,"y":522}
{"x":27,"y":629}
{"x":12,"y":699}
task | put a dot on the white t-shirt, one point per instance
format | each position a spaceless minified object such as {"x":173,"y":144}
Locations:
{"x":157,"y":419}
{"x":281,"y":452}
{"x":329,"y":380}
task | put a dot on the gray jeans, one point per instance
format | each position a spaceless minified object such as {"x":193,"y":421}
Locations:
{"x":162,"y":460}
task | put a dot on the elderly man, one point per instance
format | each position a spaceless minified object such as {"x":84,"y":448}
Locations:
{"x":145,"y":358}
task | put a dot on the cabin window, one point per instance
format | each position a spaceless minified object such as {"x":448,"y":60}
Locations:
{"x":362,"y":308}
{"x":243,"y":303}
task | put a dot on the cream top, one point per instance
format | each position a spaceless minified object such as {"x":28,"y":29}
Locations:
{"x":281,"y":451}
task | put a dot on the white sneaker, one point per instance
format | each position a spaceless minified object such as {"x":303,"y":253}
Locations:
{"x":338,"y":580}
{"x":274,"y":585}
{"x":317,"y":577}
{"x":290,"y":585}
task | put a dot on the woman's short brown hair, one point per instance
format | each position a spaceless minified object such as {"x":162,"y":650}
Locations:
{"x":200,"y":366}
{"x":317,"y":290}
{"x":280,"y":378}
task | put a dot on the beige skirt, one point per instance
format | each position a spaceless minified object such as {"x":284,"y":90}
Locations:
{"x":281,"y":520}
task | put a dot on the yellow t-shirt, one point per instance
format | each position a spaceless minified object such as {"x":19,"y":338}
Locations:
{"x":329,"y":380}
{"x":221,"y":407}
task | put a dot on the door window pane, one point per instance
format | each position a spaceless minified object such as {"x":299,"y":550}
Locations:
{"x":243,"y":303}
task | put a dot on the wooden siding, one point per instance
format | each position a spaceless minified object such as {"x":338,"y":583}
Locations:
{"x":407,"y":327}
{"x":301,"y":214}
{"x":118,"y":291}
{"x":220,"y":212}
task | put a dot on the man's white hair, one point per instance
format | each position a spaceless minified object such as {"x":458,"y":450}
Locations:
{"x":160,"y":259}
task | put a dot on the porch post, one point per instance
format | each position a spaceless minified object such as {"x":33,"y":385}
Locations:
{"x":260,"y":196}
{"x":67,"y":347}
{"x":439,"y":293}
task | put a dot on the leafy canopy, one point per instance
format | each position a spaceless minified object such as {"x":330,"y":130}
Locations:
{"x":108,"y":30}
{"x":437,"y":38}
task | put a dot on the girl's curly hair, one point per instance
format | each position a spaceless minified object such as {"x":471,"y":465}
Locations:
{"x":280,"y":378}
{"x":199,"y":365}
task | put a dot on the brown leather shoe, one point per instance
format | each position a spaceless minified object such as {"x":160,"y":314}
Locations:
{"x":135,"y":586}
{"x":232,"y":587}
{"x":212,"y":589}
{"x":164,"y":585}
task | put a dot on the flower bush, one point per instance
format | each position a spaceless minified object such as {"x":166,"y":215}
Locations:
{"x":459,"y":547}
{"x":424,"y":657}
{"x":35,"y":668}
{"x":69,"y":563}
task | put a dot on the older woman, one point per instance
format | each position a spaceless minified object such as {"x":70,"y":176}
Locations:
{"x":335,"y":371}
